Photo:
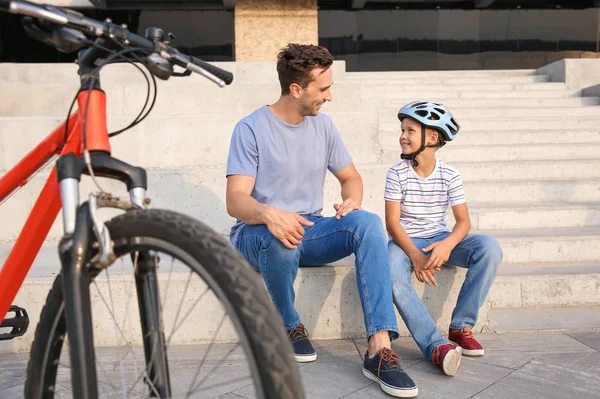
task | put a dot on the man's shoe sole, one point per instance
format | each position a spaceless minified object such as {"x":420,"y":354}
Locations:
{"x":470,"y":352}
{"x":305,"y":358}
{"x":397,"y":392}
{"x":452,"y":361}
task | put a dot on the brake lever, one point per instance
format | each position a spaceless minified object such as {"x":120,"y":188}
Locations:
{"x":181,"y":74}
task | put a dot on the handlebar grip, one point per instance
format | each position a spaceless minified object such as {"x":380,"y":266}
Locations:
{"x":140,"y":41}
{"x":222,"y":74}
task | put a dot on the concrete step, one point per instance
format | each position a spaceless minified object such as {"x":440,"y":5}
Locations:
{"x":534,"y":192}
{"x":393,"y":103}
{"x":529,"y":216}
{"x":200,"y":192}
{"x":401,"y":95}
{"x":390,"y":114}
{"x":193,"y":96}
{"x":374,"y":175}
{"x":499,"y":124}
{"x":473,"y":88}
{"x":328,"y":300}
{"x":243,"y":72}
{"x":555,"y":318}
{"x":470,"y":137}
{"x":548,"y":268}
{"x":550,"y":284}
{"x":449,"y":80}
{"x":453,"y":73}
{"x":204,"y":139}
{"x":548,"y":245}
{"x":509,"y":153}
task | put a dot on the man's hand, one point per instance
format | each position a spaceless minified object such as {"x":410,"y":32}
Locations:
{"x":440,"y":252}
{"x":345,"y":208}
{"x":286,"y":226}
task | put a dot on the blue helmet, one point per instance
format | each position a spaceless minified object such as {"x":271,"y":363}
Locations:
{"x":432,"y":115}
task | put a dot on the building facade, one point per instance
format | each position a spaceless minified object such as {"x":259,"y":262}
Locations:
{"x":368,"y":35}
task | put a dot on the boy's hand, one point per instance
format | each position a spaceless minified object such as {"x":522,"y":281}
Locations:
{"x":345,"y":208}
{"x":419,"y":260}
{"x":427,"y":276}
{"x":440,"y":252}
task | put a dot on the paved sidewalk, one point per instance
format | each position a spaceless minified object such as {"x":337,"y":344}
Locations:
{"x":516,"y":365}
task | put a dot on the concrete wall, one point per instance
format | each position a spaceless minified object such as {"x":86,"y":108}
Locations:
{"x":577,"y":74}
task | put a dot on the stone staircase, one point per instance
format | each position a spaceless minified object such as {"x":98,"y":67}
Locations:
{"x":527,"y":152}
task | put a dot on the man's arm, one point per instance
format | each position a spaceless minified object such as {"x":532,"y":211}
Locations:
{"x":240,"y":204}
{"x":352,"y":190}
{"x":285,"y":226}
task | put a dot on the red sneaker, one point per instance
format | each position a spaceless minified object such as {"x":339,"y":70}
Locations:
{"x":464,"y":339}
{"x":447,"y":357}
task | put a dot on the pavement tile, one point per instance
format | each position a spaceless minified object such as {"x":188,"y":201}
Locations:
{"x":589,"y":338}
{"x":540,"y":379}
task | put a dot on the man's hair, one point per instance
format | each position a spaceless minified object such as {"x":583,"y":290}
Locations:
{"x":295,"y":63}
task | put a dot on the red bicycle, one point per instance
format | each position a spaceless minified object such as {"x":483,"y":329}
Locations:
{"x":198,"y":264}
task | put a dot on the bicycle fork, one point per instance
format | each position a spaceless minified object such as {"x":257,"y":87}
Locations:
{"x":82,"y":261}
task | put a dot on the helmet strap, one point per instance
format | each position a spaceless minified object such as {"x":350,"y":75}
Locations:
{"x":420,"y":150}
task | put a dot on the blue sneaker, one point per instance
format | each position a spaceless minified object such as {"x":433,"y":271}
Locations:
{"x":385,"y":369}
{"x":303,"y":349}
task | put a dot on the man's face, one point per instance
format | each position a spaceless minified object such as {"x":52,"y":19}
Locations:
{"x":317,"y":92}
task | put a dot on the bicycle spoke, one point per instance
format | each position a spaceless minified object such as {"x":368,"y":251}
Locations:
{"x":190,"y":311}
{"x":168,"y":283}
{"x":101,"y":367}
{"x":115,"y":321}
{"x":214,"y":368}
{"x":229,"y":382}
{"x":187,"y":284}
{"x":206,"y":353}
{"x":131,"y":286}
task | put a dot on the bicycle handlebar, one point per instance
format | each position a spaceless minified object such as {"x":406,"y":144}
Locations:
{"x":92,"y":27}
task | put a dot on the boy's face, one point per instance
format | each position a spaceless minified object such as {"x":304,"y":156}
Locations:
{"x":317,"y":92}
{"x":410,"y":139}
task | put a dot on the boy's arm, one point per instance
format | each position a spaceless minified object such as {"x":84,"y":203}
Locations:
{"x":400,"y":237}
{"x":440,"y":251}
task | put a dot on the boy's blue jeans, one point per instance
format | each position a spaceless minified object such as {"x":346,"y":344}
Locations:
{"x":479,"y":253}
{"x":328,"y":240}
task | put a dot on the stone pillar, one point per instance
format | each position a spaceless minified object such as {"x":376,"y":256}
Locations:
{"x":263,"y":27}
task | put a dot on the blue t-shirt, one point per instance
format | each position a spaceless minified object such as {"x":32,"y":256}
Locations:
{"x":289,"y":162}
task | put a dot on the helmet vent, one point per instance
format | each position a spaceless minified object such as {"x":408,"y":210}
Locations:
{"x":422,"y":113}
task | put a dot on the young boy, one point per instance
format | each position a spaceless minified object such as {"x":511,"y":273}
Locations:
{"x":418,"y":191}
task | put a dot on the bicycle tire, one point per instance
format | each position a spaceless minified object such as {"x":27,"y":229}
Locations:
{"x":261,"y":329}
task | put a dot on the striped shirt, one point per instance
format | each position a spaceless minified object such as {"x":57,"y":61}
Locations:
{"x":424,"y":200}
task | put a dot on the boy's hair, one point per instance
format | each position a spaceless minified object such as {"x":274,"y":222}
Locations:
{"x":430,"y":130}
{"x":295,"y":63}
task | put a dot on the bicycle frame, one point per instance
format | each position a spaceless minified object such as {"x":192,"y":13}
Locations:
{"x":48,"y":204}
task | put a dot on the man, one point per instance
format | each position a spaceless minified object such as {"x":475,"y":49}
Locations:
{"x":278,"y":160}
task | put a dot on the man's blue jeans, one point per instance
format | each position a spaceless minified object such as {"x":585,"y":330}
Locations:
{"x":479,"y":253}
{"x":328,"y":240}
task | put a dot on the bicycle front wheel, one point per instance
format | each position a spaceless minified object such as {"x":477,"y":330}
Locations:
{"x":221,"y":333}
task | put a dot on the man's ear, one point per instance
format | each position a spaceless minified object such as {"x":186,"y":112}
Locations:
{"x":295,"y":90}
